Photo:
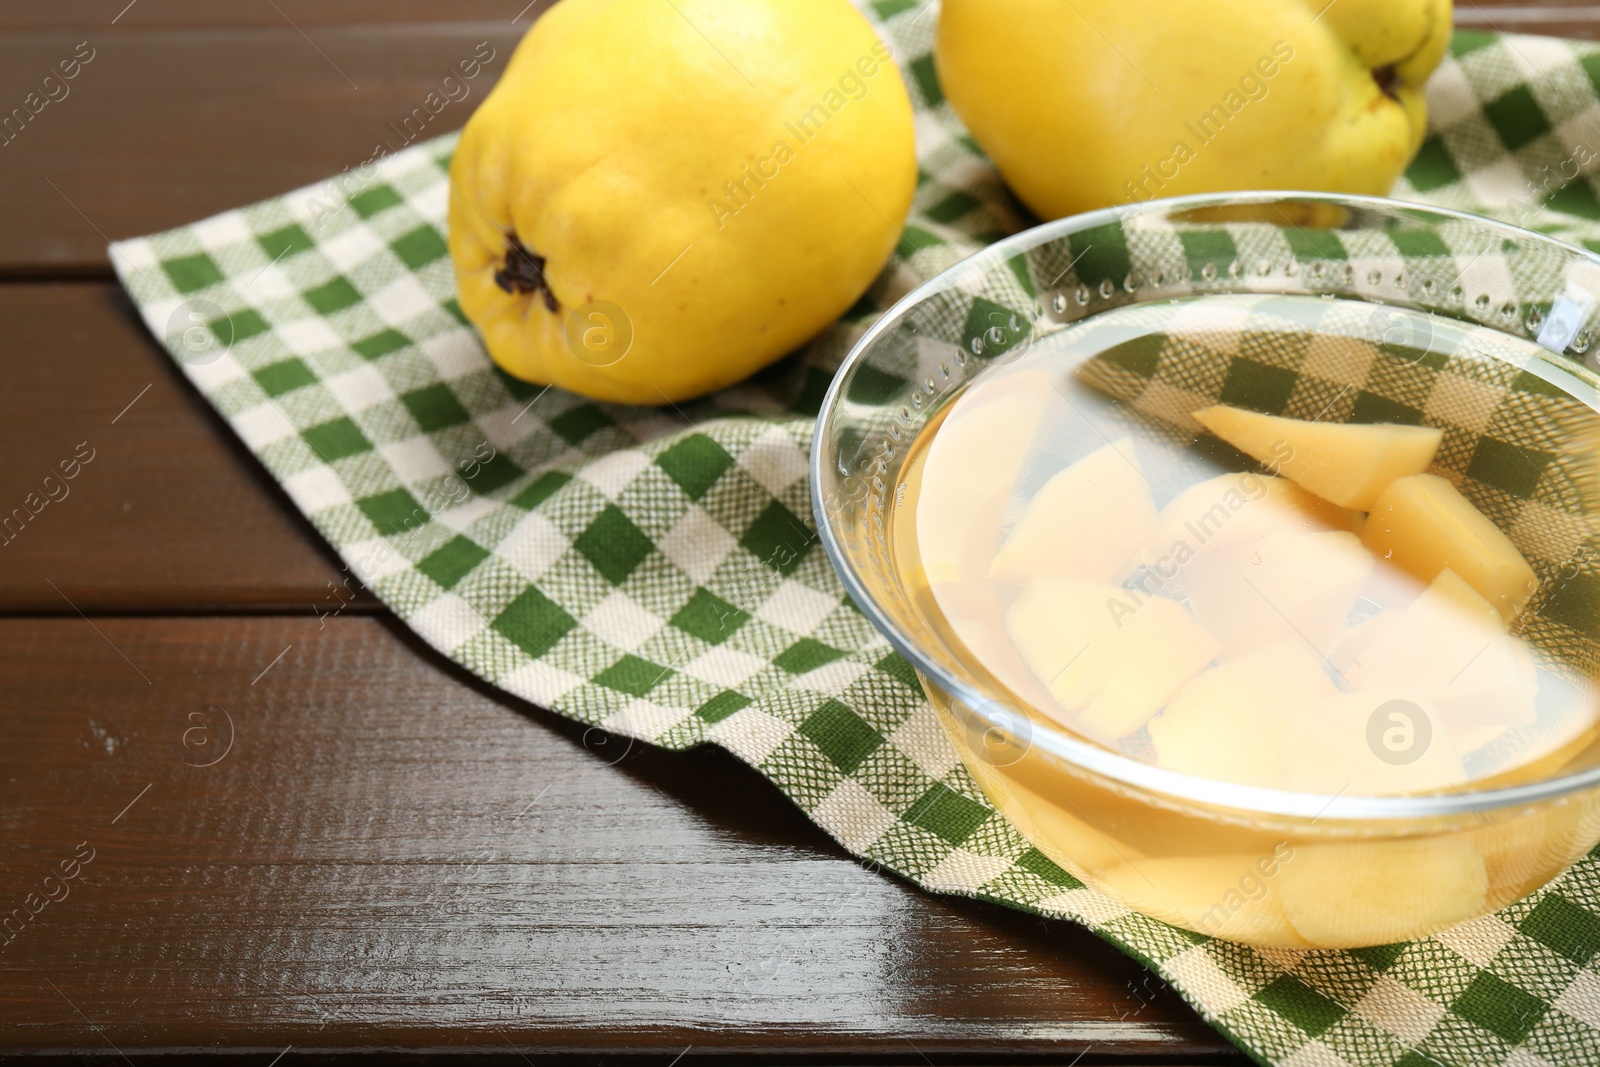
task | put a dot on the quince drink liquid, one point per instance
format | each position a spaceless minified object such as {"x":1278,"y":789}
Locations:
{"x":1280,"y":543}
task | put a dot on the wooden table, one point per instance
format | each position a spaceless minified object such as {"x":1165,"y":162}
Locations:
{"x":317,"y":835}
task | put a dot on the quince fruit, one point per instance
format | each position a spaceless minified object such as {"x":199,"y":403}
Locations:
{"x":1350,"y":894}
{"x":1108,"y":658}
{"x":1423,"y":525}
{"x":1087,"y":522}
{"x":1348,"y":464}
{"x":658,"y":200}
{"x":1083,"y":104}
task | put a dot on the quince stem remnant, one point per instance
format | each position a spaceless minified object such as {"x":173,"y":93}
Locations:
{"x":523,"y":272}
{"x":1386,"y":79}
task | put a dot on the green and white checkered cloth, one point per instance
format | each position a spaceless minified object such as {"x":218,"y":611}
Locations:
{"x":654,"y":572}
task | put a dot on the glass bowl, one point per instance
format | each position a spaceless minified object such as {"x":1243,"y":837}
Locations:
{"x":1269,"y":866}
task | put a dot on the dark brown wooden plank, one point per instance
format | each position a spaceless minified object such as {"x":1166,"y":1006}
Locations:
{"x":167,"y":126}
{"x":1550,"y":18}
{"x":307,"y":14}
{"x":392,"y":854}
{"x":170,"y":513}
{"x":138,"y":146}
{"x":166,"y":14}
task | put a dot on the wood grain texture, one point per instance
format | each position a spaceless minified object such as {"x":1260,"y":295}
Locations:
{"x":1551,"y":18}
{"x":166,"y":126}
{"x":289,"y":97}
{"x":170,"y":514}
{"x":390,"y":853}
{"x":27,"y":15}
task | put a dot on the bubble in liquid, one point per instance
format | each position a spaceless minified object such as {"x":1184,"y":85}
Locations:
{"x":1059,"y":303}
{"x":1130,"y":284}
{"x":1482,"y":303}
{"x":1106,"y":288}
{"x":977,"y":346}
{"x":1209,"y":272}
{"x":1264,"y":268}
{"x":1081,"y":294}
{"x":1234,"y":269}
{"x":1580,"y":343}
{"x":1534,"y":320}
{"x":1374,"y":277}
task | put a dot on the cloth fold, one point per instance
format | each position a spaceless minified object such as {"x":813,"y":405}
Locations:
{"x":654,"y":572}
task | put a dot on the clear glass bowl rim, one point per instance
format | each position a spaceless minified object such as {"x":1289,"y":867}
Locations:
{"x":1110,"y":765}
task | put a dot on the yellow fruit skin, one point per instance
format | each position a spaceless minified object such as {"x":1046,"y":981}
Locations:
{"x":1074,"y":100}
{"x":616,"y":128}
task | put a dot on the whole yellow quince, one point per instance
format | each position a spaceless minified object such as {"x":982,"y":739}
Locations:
{"x":659,"y":199}
{"x":1086,"y":104}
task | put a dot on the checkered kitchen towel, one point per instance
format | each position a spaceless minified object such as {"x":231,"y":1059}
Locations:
{"x":654,"y":571}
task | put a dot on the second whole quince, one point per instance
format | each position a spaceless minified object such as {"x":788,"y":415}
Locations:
{"x":1087,"y":104}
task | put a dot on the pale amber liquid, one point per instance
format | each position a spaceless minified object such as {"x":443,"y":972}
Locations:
{"x":1272,"y":880}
